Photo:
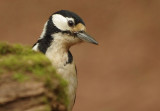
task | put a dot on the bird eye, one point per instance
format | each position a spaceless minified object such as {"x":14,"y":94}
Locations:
{"x":70,"y":23}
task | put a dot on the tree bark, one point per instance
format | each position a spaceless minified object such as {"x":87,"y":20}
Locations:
{"x":31,"y":95}
{"x":28,"y":82}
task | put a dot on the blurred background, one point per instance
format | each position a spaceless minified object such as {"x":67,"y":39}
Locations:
{"x":123,"y":72}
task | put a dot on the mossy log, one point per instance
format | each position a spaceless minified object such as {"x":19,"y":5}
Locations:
{"x":28,"y":82}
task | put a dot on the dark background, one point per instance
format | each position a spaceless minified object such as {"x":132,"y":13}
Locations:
{"x":123,"y":72}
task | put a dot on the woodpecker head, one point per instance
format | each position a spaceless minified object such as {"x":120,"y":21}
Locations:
{"x":71,"y":24}
{"x":64,"y":27}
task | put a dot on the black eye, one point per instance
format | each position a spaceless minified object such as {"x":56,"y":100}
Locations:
{"x":70,"y":23}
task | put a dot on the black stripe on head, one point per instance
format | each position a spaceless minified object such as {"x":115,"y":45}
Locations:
{"x":46,"y":40}
{"x":70,"y":14}
{"x":44,"y":43}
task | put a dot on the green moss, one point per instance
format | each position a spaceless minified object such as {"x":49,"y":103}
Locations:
{"x":22,"y":58}
{"x":62,"y":95}
{"x":24,"y":63}
{"x":48,"y":108}
{"x":1,"y":71}
{"x":6,"y":48}
{"x":20,"y":77}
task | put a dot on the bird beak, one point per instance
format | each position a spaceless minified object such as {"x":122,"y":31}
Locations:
{"x":85,"y":37}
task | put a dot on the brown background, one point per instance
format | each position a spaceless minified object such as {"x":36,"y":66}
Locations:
{"x":123,"y":72}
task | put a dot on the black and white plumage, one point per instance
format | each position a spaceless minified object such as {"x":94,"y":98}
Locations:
{"x":60,"y":32}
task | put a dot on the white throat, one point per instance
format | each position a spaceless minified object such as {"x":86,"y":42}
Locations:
{"x":58,"y":54}
{"x":58,"y":50}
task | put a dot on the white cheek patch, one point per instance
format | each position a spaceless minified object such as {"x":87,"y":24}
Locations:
{"x":60,"y":22}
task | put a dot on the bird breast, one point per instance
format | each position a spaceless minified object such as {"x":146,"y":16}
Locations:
{"x":59,"y":58}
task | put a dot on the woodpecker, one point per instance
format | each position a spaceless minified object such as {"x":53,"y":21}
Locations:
{"x":63,"y":30}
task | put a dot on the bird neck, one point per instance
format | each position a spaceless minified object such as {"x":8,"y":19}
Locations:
{"x":62,"y":60}
{"x":58,"y":52}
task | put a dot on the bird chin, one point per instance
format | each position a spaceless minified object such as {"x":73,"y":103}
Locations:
{"x":71,"y":40}
{"x":74,"y":40}
{"x":66,"y":39}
